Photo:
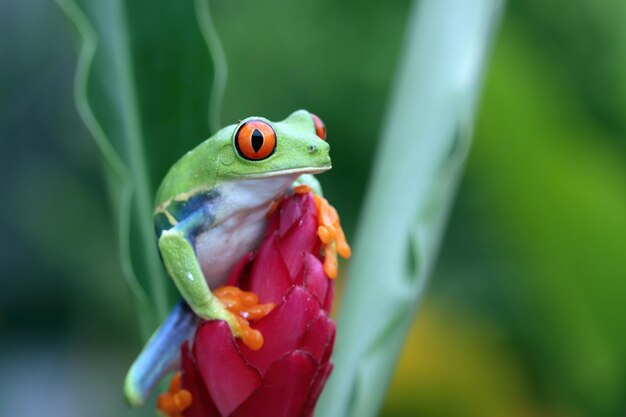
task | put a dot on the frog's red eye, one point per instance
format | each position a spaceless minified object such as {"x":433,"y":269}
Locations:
{"x":320,"y":128}
{"x":255,"y":140}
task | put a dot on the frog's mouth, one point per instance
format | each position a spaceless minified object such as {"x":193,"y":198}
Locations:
{"x":281,"y":172}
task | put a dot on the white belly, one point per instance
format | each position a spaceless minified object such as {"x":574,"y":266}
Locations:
{"x":218,"y":249}
{"x":239,"y":226}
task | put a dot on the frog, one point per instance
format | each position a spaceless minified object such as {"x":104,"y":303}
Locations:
{"x":210,"y":211}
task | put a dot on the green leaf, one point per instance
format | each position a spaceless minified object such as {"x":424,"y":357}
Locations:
{"x":423,"y":149}
{"x":145,"y":81}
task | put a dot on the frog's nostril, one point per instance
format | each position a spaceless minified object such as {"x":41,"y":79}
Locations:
{"x":311,"y":149}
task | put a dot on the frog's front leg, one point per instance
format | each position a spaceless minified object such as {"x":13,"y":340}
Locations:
{"x":162,"y":352}
{"x":179,"y":258}
{"x":310,"y":181}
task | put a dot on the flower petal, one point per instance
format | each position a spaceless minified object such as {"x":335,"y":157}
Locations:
{"x":319,"y":337}
{"x":273,"y":221}
{"x":329,"y":297}
{"x":227,"y":377}
{"x":316,"y":389}
{"x":285,"y":388}
{"x":313,"y":277}
{"x":201,"y":404}
{"x":331,"y":345}
{"x":239,"y":270}
{"x":300,"y":239}
{"x":283,"y":328}
{"x":289,"y":213}
{"x":269,"y":277}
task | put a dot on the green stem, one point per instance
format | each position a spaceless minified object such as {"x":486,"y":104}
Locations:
{"x":135,"y":142}
{"x":220,"y":66}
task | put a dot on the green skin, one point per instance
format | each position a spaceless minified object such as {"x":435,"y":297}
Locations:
{"x":210,"y":211}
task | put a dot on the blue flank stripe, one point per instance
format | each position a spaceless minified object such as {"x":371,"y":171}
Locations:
{"x":181,"y":210}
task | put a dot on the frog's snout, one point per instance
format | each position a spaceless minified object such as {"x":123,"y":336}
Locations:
{"x":317,"y":146}
{"x":317,"y":153}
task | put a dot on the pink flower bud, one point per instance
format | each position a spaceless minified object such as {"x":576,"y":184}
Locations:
{"x":286,"y":376}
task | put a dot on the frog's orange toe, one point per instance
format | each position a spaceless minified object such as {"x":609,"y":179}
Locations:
{"x":331,"y":234}
{"x":176,"y":400}
{"x":301,"y":189}
{"x":245,"y":305}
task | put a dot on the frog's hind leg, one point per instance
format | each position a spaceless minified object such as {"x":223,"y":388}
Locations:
{"x":161,"y":354}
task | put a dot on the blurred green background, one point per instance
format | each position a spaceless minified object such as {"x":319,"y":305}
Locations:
{"x":526,"y":312}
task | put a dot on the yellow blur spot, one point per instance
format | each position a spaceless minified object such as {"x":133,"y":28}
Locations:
{"x":458,"y":366}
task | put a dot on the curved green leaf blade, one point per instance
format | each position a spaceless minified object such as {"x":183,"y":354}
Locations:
{"x":423,"y":149}
{"x":144,"y":82}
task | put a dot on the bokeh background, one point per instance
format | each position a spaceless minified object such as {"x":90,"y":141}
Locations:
{"x":526,"y":311}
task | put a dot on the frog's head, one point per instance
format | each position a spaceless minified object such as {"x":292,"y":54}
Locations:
{"x":259,"y":148}
{"x":254,"y":148}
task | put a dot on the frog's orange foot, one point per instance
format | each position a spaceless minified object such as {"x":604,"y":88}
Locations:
{"x":302,"y":189}
{"x":245,"y":306}
{"x":329,"y":231}
{"x":331,"y":234}
{"x":176,"y":400}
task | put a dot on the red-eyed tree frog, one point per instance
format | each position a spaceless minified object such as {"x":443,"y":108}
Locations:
{"x":210,"y":211}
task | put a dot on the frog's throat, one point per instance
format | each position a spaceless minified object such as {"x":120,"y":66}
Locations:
{"x":162,"y":208}
{"x":300,"y":171}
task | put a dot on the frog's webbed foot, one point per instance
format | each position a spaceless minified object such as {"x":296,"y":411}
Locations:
{"x":329,"y":231}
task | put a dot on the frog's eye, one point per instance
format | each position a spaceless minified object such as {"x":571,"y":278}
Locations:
{"x":255,"y":140}
{"x":320,"y":128}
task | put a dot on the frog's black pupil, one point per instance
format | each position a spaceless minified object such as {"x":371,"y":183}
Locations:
{"x":257,"y":140}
